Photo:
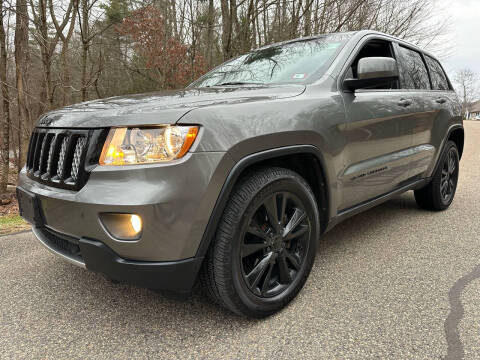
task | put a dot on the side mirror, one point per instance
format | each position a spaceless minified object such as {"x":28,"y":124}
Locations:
{"x":373,"y":71}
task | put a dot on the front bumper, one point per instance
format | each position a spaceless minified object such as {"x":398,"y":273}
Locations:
{"x":175,"y":202}
{"x":178,"y":276}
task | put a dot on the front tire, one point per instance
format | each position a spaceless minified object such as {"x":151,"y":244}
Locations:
{"x":265,"y":243}
{"x":439,"y":193}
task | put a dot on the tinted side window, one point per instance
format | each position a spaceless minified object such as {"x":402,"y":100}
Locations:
{"x":373,"y":48}
{"x":415,"y":75}
{"x":439,"y":79}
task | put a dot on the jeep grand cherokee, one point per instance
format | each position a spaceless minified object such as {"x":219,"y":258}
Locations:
{"x":234,"y":179}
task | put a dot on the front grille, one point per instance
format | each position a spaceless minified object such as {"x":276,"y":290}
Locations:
{"x":63,"y":157}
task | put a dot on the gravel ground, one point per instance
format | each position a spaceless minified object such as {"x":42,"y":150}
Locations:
{"x":395,"y":282}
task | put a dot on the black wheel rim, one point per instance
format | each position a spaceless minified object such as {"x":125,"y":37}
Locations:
{"x":274,"y":244}
{"x":448,"y":181}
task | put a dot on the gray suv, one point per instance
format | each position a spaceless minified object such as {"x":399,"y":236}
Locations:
{"x":233,"y":180}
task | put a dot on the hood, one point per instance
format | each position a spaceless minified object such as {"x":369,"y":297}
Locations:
{"x":164,"y":107}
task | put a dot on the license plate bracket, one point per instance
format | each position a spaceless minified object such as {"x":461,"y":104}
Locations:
{"x":29,"y":207}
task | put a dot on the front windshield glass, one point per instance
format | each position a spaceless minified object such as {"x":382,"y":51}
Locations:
{"x":297,"y":62}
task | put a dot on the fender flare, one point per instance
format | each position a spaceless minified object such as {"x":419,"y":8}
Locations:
{"x":235,"y":173}
{"x":444,"y":143}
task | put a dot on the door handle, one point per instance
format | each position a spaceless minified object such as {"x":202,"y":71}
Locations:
{"x":405,"y":102}
{"x":441,"y":100}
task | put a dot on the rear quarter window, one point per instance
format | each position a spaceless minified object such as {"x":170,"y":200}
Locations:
{"x":414,"y":71}
{"x":439,"y":79}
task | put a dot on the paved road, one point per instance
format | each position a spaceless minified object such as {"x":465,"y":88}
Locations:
{"x":394,"y":282}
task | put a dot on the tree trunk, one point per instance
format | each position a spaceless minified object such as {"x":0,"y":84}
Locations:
{"x":65,"y":75}
{"x":47,"y":68}
{"x":174,"y":17}
{"x":307,"y":30}
{"x":5,"y":149}
{"x":210,"y":24}
{"x":226,"y":30}
{"x":70,"y":15}
{"x":84,"y":71}
{"x":41,"y":25}
{"x":85,"y":45}
{"x":21,"y":48}
{"x":235,"y":28}
{"x":246,"y":33}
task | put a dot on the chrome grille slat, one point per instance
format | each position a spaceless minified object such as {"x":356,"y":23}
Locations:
{"x":57,"y":157}
{"x":61,"y":158}
{"x":42,"y":151}
{"x":43,"y":154}
{"x":36,"y":154}
{"x":31,"y":149}
{"x":79,"y":148}
{"x":50,"y":155}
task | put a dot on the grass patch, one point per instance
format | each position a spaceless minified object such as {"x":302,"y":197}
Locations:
{"x":12,"y":223}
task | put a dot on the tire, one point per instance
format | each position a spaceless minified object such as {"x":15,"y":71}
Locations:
{"x":439,"y":193}
{"x":251,"y":268}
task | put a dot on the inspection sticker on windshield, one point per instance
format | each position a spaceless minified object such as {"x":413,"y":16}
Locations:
{"x":299,"y":76}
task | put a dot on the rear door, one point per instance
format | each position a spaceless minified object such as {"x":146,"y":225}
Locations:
{"x":378,"y":133}
{"x":416,"y":78}
{"x":439,"y":104}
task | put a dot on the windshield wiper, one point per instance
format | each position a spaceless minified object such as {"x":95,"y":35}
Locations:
{"x":238,"y":83}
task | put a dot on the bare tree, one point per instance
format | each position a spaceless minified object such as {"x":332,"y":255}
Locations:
{"x":90,"y":27}
{"x":70,"y":15}
{"x":229,"y":25}
{"x":467,"y":86}
{"x":210,"y":30}
{"x":42,"y":12}
{"x":21,"y":58}
{"x":6,"y":122}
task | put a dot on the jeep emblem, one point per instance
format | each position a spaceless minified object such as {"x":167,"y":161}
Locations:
{"x":44,"y":121}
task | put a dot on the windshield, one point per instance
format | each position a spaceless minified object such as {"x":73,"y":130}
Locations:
{"x":296,"y":62}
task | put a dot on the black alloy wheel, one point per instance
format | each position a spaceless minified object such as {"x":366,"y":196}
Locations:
{"x":449,"y":178}
{"x":438,"y":194}
{"x":265,"y":243}
{"x":274,"y":244}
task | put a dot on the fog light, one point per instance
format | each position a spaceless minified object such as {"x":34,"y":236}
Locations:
{"x":136,"y":222}
{"x":122,"y":226}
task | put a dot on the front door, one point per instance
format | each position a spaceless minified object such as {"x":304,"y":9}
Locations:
{"x":378,"y":133}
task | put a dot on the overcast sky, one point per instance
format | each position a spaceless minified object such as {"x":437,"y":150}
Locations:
{"x":465,"y":16}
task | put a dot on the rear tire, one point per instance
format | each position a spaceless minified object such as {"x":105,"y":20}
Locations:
{"x":439,"y":193}
{"x":265,"y":243}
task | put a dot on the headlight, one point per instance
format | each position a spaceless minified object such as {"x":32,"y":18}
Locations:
{"x":142,"y":145}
